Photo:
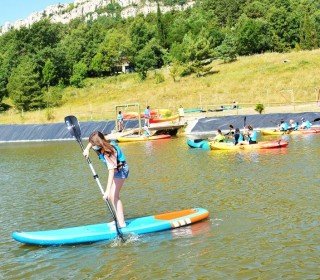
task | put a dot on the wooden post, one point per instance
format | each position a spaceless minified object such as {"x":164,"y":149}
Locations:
{"x":292,"y":100}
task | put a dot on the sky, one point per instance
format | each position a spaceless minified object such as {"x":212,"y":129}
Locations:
{"x":12,"y":10}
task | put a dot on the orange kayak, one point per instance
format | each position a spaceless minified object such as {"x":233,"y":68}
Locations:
{"x":158,"y":120}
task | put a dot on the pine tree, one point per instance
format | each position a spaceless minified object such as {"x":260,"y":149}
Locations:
{"x":23,"y":86}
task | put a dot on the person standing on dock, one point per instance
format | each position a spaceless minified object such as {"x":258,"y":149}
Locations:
{"x":181,"y":113}
{"x":147,"y":116}
{"x":120,"y":122}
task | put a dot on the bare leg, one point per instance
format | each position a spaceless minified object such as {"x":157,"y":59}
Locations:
{"x":115,"y":199}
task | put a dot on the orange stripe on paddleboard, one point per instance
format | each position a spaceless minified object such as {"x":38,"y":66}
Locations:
{"x":199,"y":217}
{"x":175,"y":215}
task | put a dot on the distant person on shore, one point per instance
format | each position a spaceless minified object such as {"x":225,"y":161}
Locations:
{"x":305,"y":124}
{"x":219,"y":137}
{"x":181,"y":113}
{"x":120,"y":122}
{"x":238,"y":137}
{"x":234,"y":104}
{"x":147,"y":116}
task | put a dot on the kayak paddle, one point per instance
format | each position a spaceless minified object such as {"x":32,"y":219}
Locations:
{"x":244,"y":121}
{"x":75,"y":131}
{"x":317,"y":119}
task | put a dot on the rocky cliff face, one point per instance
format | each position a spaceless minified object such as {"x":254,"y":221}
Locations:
{"x":91,"y":10}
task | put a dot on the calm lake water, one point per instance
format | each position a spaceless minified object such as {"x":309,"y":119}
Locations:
{"x":264,"y":212}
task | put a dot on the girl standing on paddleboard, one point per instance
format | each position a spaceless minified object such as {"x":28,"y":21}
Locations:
{"x":118,"y":168}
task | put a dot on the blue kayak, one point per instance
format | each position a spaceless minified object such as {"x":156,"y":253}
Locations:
{"x":107,"y":231}
{"x":199,"y":143}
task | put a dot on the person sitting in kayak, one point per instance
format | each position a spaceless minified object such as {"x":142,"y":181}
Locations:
{"x":251,"y":135}
{"x":293,"y":125}
{"x":238,"y":137}
{"x":283,"y":126}
{"x":231,"y":132}
{"x":113,"y":157}
{"x":305,"y":124}
{"x":219,"y":137}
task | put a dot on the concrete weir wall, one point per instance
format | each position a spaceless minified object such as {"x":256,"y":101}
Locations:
{"x":54,"y":132}
{"x":58,"y":131}
{"x":257,"y":121}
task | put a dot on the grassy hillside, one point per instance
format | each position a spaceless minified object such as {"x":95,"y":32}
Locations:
{"x":271,"y":79}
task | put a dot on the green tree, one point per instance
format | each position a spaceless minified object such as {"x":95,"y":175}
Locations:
{"x":227,"y":51}
{"x":161,"y":30}
{"x":23,"y":86}
{"x":226,"y":11}
{"x":97,"y":65}
{"x":284,"y":24}
{"x":112,"y":51}
{"x":74,"y":45}
{"x":253,"y":36}
{"x":141,"y":32}
{"x":80,"y":70}
{"x":256,"y":9}
{"x":308,"y":33}
{"x":175,"y":70}
{"x":4,"y":75}
{"x":48,"y":73}
{"x":150,"y":57}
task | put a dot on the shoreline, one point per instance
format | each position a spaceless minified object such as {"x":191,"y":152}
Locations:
{"x":196,"y":125}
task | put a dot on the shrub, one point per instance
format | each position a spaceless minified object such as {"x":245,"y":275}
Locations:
{"x":259,"y":108}
{"x":49,"y":114}
{"x":159,"y":78}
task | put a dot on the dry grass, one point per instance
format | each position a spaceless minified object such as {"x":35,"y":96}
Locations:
{"x":271,"y":79}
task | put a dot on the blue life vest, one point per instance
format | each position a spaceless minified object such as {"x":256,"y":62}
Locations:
{"x":253,"y":136}
{"x":120,"y":155}
{"x":238,"y":137}
{"x":284,"y":127}
{"x":306,"y":124}
{"x":295,"y":126}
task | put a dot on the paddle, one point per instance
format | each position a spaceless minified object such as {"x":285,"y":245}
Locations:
{"x":74,"y":129}
{"x":244,"y":121}
{"x":316,"y":120}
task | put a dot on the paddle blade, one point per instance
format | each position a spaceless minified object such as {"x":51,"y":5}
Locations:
{"x":317,"y":119}
{"x":73,"y":126}
{"x":244,"y":121}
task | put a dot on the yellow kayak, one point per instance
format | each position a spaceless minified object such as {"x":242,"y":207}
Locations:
{"x":134,"y":138}
{"x":293,"y":132}
{"x":260,"y":145}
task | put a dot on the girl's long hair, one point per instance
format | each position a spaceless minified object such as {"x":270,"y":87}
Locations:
{"x":97,"y":139}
